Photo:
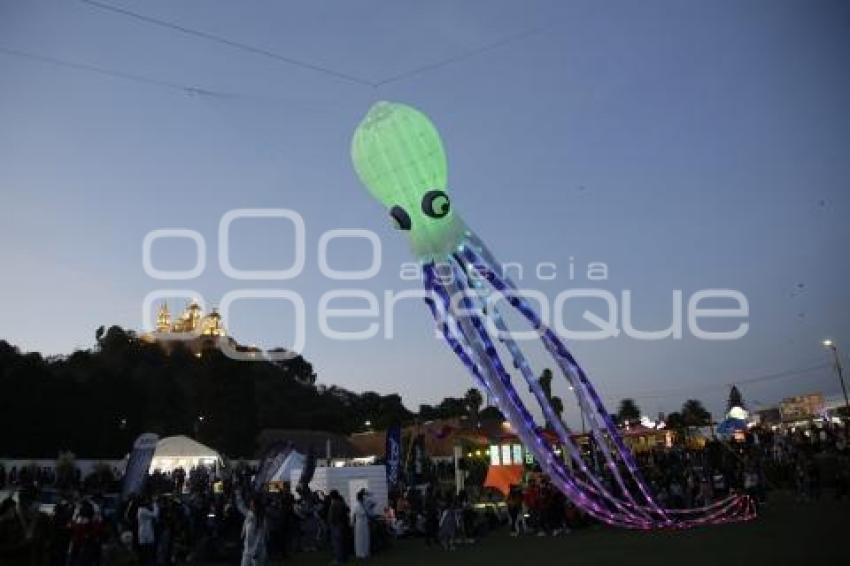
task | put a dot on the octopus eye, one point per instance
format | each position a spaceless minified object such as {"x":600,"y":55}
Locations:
{"x":401,"y":219}
{"x":435,"y":204}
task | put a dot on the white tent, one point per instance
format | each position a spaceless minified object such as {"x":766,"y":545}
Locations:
{"x":182,"y":452}
{"x":348,"y":480}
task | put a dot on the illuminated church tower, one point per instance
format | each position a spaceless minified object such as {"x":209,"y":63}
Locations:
{"x":211,"y":325}
{"x":163,"y":319}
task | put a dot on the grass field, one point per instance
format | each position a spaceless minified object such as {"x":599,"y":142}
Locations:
{"x":786,"y":532}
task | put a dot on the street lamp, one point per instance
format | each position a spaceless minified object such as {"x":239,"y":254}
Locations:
{"x":197,"y":424}
{"x":829,"y":344}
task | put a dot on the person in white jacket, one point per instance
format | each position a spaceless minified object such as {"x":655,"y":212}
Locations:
{"x":361,"y":526}
{"x":254,"y":531}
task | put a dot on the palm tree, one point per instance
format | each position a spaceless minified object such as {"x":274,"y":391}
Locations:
{"x":545,"y":381}
{"x":557,"y":407}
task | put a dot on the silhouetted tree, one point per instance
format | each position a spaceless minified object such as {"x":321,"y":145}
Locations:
{"x":675,"y":421}
{"x":558,"y":407}
{"x":452,"y":407}
{"x":491,"y":414}
{"x":473,"y":400}
{"x":95,"y":402}
{"x":628,"y":411}
{"x":694,"y":414}
{"x":545,"y":381}
{"x":735,"y":399}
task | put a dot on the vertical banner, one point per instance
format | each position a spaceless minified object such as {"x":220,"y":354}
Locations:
{"x":419,"y":458}
{"x":415,"y":463}
{"x":393,"y":456}
{"x":271,"y":462}
{"x":138,"y":464}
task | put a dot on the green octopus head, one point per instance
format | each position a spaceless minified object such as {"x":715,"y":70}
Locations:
{"x":398,"y":155}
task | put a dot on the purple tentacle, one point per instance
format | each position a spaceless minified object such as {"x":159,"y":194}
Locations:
{"x":510,"y":403}
{"x":630,"y":508}
{"x":570,"y":368}
{"x":732,"y":508}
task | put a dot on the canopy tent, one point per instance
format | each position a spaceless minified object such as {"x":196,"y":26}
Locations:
{"x":182,"y":452}
{"x":728,"y":426}
{"x":503,"y":477}
{"x":736,"y":419}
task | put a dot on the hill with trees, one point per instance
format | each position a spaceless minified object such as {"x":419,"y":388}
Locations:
{"x":95,"y":402}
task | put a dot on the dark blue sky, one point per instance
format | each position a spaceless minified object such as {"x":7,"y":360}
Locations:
{"x":687,"y":145}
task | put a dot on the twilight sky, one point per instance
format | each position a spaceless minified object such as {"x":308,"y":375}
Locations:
{"x":687,"y":145}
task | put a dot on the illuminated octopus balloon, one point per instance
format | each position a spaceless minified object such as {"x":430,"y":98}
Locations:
{"x":398,"y":154}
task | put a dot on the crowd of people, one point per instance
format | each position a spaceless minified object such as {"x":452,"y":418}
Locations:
{"x":802,"y":460}
{"x":182,"y":517}
{"x":215,"y":515}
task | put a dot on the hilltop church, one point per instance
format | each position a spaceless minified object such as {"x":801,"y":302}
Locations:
{"x":196,"y":330}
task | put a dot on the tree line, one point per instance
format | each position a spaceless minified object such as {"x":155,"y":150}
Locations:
{"x":692,"y":414}
{"x":95,"y":402}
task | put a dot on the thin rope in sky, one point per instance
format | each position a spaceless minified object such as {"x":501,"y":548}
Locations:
{"x":186,"y":89}
{"x":229,"y":42}
{"x":461,"y":56}
{"x":311,"y":66}
{"x":771,"y":377}
{"x":665,"y":393}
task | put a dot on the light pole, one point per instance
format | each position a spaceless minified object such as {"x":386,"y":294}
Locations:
{"x":198,"y":422}
{"x":831,"y":345}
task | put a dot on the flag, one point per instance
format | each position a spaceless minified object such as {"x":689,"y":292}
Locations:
{"x":309,"y":468}
{"x":138,"y":464}
{"x":271,"y":462}
{"x":393,"y":455}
